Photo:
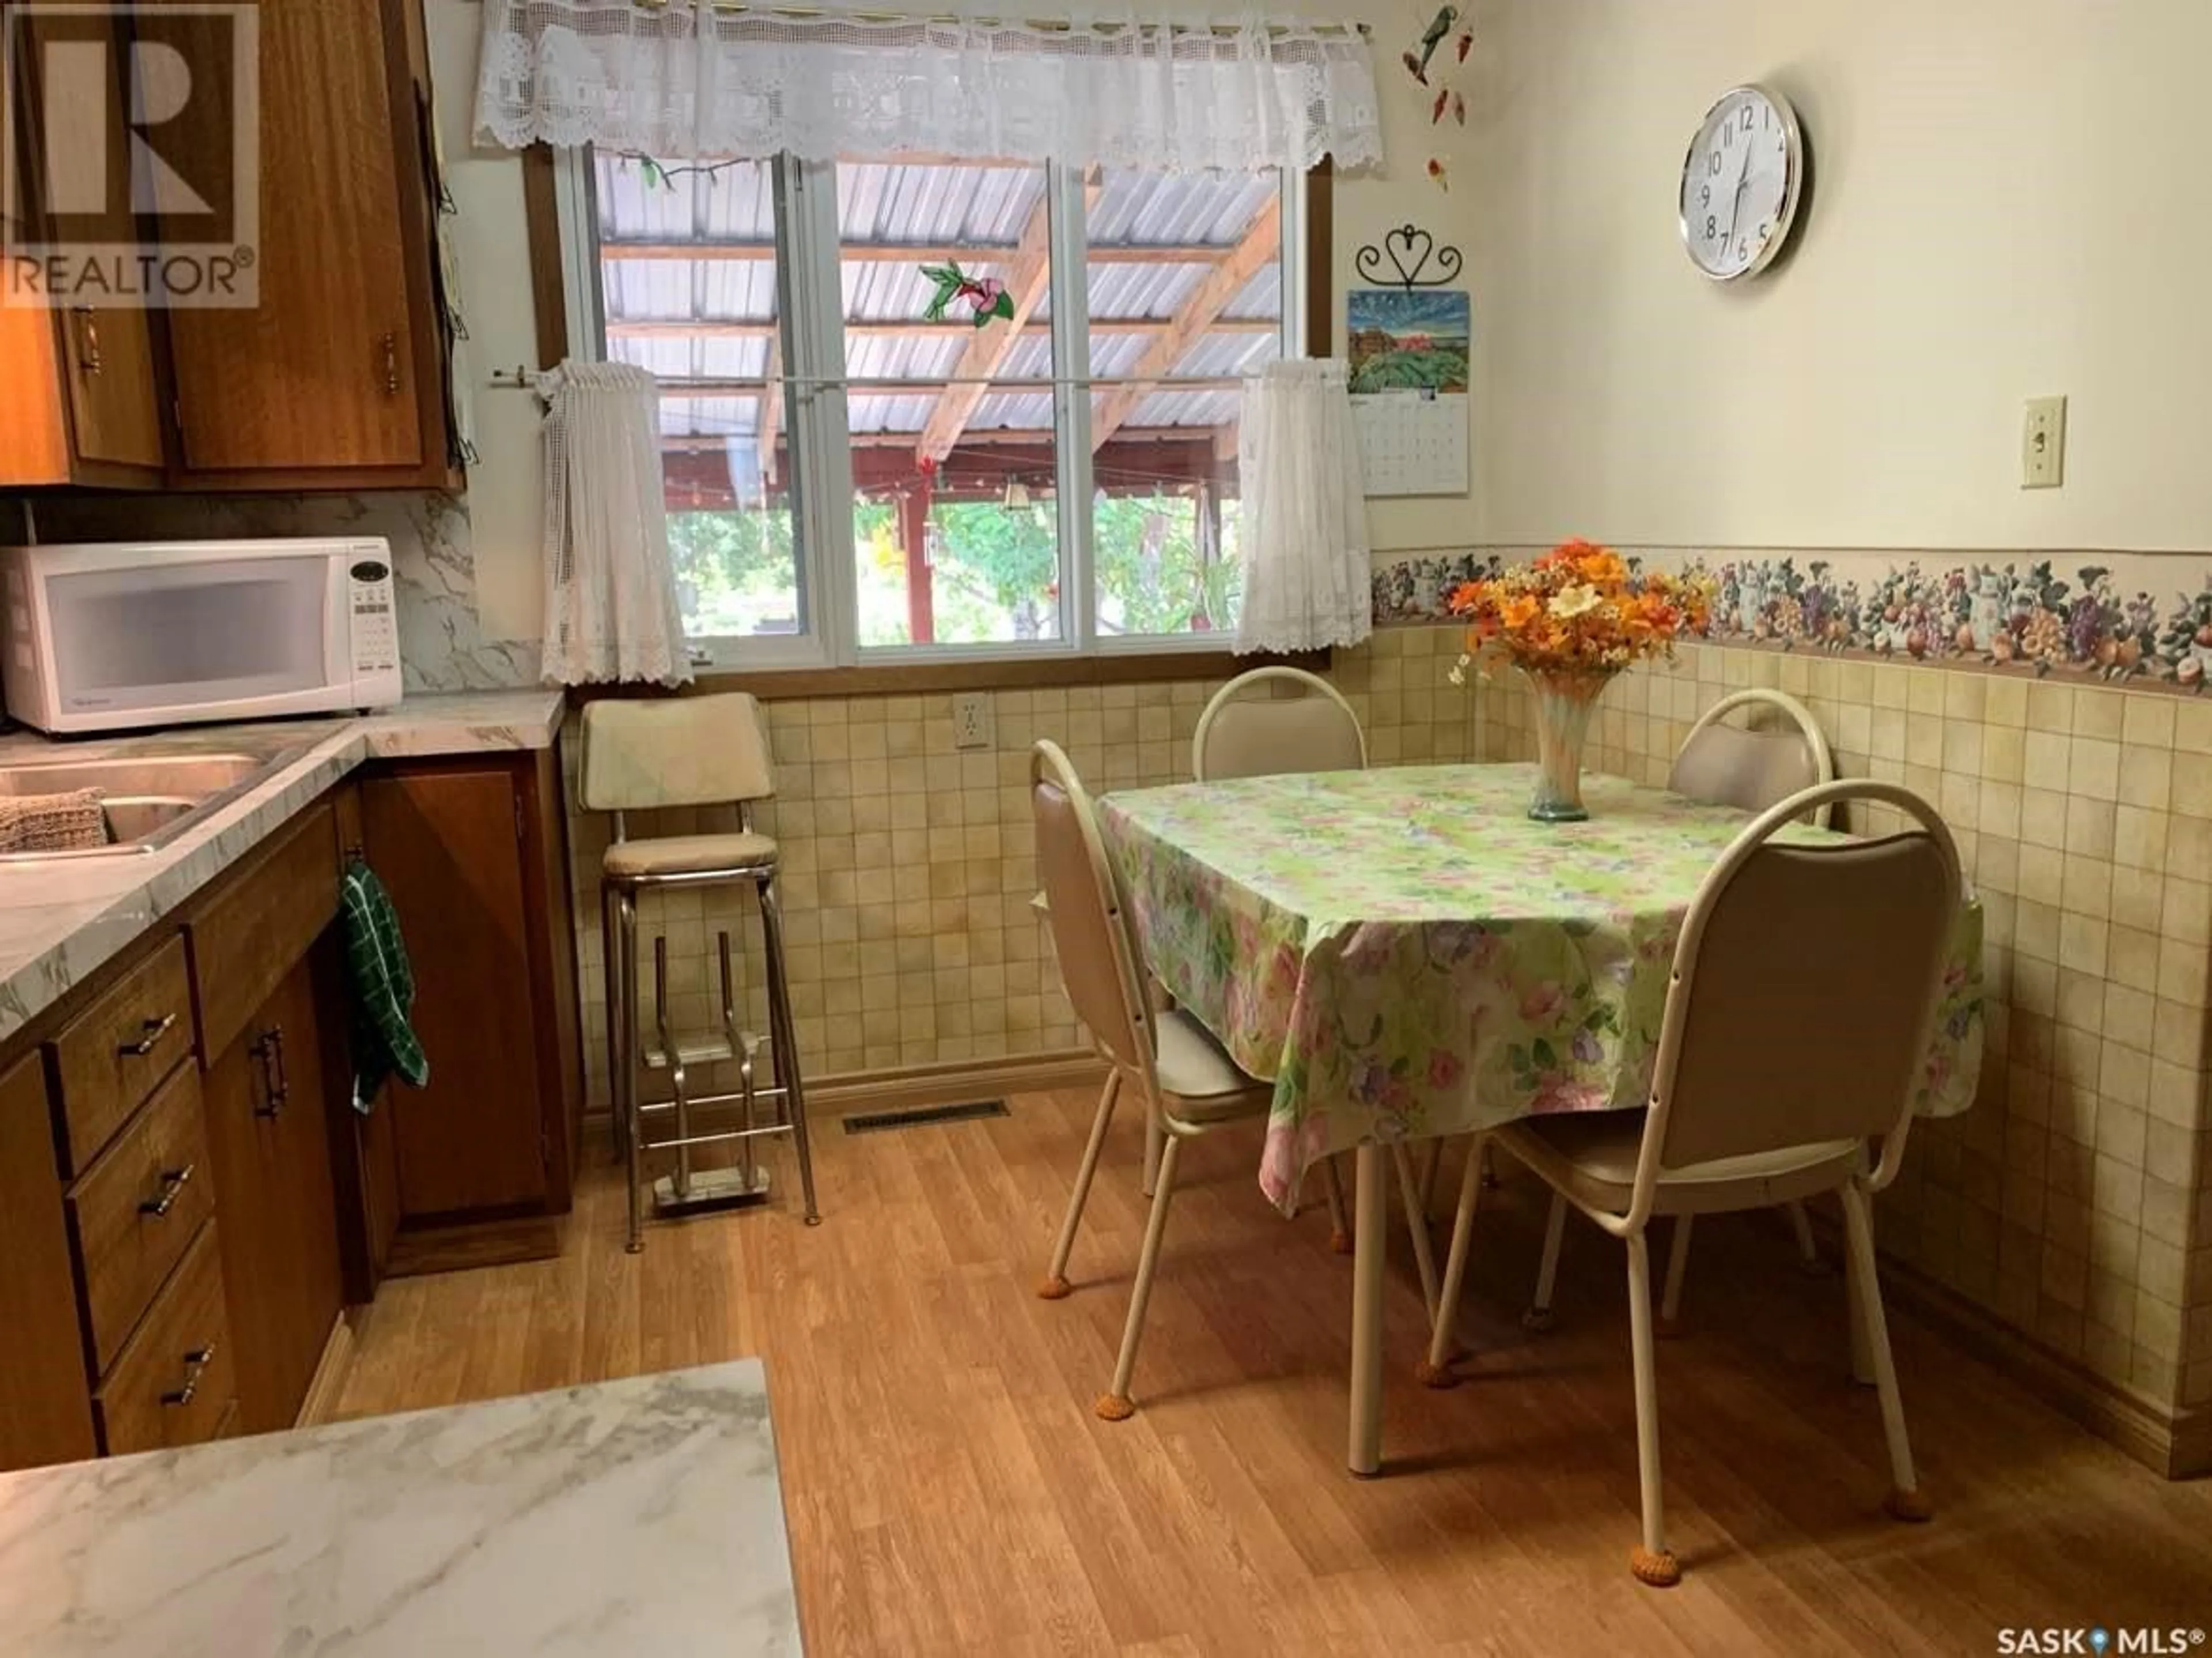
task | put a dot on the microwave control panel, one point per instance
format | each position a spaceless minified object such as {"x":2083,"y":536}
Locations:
{"x":375,"y":628}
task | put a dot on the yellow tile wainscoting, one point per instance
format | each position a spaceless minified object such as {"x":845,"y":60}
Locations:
{"x":2074,"y":1203}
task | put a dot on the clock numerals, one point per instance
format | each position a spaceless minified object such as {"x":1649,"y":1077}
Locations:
{"x":1738,"y":186}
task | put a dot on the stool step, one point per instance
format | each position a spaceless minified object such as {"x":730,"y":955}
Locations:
{"x":707,"y":1050}
{"x":710,"y":1188}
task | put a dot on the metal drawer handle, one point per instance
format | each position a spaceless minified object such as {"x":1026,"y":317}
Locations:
{"x":89,"y":341}
{"x":391,"y":344}
{"x":173,"y":1181}
{"x":195,"y":1364}
{"x":151,"y":1032}
{"x":270,"y":1051}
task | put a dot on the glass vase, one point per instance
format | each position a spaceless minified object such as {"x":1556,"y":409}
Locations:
{"x":1564,"y":704}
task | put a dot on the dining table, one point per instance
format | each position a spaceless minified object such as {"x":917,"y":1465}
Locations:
{"x":1405,"y":954}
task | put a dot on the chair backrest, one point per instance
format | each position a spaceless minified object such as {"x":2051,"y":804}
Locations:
{"x":642,"y":753}
{"x":1248,"y":730}
{"x":1750,"y":767}
{"x":1805,"y":989}
{"x":1091,"y":932}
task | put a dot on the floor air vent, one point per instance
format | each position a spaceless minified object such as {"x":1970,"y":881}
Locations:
{"x":875,"y":1122}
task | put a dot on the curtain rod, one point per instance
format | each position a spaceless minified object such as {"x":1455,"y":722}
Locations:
{"x":1061,"y":25}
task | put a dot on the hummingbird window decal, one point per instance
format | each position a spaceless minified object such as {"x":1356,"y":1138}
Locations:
{"x":986,"y":295}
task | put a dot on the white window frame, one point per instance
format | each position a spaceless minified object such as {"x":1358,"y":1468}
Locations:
{"x":811,"y":310}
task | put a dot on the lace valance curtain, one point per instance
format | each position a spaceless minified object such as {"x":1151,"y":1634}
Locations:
{"x":685,"y":80}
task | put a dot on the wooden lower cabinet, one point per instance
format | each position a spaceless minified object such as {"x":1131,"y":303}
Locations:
{"x":473,"y":853}
{"x":269,"y":1111}
{"x":44,"y":1414}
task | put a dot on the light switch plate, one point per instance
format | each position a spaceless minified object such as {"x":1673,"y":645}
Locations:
{"x":2043,"y":445}
{"x":971,"y":719}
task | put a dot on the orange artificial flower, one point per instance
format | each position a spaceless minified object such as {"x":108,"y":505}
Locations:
{"x":1579,"y":608}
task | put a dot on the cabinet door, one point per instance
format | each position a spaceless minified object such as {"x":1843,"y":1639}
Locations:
{"x":446,"y":843}
{"x":113,"y":397}
{"x":269,"y":1112}
{"x":46,"y":1408}
{"x":322,"y":373}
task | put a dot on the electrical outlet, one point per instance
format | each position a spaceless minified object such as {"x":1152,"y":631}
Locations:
{"x":971,"y":719}
{"x":2043,"y":445}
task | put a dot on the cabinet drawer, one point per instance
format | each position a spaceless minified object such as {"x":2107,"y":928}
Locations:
{"x":110,"y":1057}
{"x":137,"y":1208}
{"x":175,"y":1383}
{"x":248,"y":939}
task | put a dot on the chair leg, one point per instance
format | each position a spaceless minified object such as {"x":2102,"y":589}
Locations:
{"x":1436,"y":1371}
{"x":1489,"y":1167}
{"x":1678,"y":1264}
{"x":1538,"y":1318}
{"x":1651,"y":1562}
{"x":1056,"y":1284}
{"x":783,"y":1041}
{"x":1340,"y":1230}
{"x":1416,"y":1225}
{"x":626,"y":1078}
{"x":611,"y":958}
{"x":1155,"y":1140}
{"x":1801,"y":1225}
{"x":1114,"y":1405}
{"x":1904,"y":1501}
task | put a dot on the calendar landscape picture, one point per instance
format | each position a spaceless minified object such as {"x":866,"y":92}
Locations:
{"x":1409,"y":342}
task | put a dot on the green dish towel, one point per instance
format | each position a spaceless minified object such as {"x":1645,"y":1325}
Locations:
{"x":383,"y":1042}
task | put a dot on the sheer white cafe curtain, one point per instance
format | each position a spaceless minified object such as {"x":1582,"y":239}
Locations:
{"x":1306,"y":571}
{"x":686,"y":79}
{"x":610,"y":605}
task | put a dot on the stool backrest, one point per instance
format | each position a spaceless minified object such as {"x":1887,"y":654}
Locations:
{"x":644,"y":753}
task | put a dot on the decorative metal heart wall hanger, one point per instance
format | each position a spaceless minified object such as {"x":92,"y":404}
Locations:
{"x":1411,"y":250}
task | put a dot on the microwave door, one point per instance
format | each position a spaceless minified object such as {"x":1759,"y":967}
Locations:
{"x":232,"y":638}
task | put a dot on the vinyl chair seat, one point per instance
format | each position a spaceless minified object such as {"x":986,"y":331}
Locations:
{"x":1200,"y":1082}
{"x":739,"y":852}
{"x":1591,"y":1155}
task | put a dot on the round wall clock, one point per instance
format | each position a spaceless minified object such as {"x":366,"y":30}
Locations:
{"x":1741,"y":183}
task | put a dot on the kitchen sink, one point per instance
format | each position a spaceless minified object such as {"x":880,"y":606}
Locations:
{"x":149,"y":799}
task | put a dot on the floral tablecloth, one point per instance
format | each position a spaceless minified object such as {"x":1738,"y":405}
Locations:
{"x":1405,"y":954}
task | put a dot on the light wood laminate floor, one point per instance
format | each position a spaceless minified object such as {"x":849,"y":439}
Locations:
{"x":949,"y":1489}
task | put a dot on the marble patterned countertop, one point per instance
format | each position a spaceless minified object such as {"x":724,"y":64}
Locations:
{"x":61,"y":920}
{"x":641,"y":1516}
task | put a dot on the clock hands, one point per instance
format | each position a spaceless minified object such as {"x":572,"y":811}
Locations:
{"x":1736,"y":203}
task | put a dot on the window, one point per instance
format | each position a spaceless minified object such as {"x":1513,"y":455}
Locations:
{"x":850,"y":479}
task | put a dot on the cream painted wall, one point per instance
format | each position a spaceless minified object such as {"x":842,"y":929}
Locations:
{"x":487,"y":185}
{"x":2006,"y":204}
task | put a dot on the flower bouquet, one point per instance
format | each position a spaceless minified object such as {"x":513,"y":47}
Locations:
{"x":1571,"y":621}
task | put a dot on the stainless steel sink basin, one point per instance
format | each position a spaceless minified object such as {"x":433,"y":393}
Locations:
{"x":149,"y":799}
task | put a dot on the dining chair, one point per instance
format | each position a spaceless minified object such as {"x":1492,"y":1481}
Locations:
{"x":1272,"y":722}
{"x":1189,"y":1084}
{"x":1751,"y":767}
{"x":1777,"y":1068}
{"x":1277,"y":722}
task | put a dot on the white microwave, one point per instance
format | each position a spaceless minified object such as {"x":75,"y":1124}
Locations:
{"x":125,"y":635}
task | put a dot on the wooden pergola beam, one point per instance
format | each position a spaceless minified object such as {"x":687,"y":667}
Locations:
{"x":875,"y":328}
{"x":769,"y":422}
{"x":1261,"y":245}
{"x":709,"y":443}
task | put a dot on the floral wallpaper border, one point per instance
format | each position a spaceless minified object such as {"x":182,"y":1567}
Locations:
{"x":2023,"y":614}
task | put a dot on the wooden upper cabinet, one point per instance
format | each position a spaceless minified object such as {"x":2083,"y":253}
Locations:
{"x":334,"y":377}
{"x":81,"y":399}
